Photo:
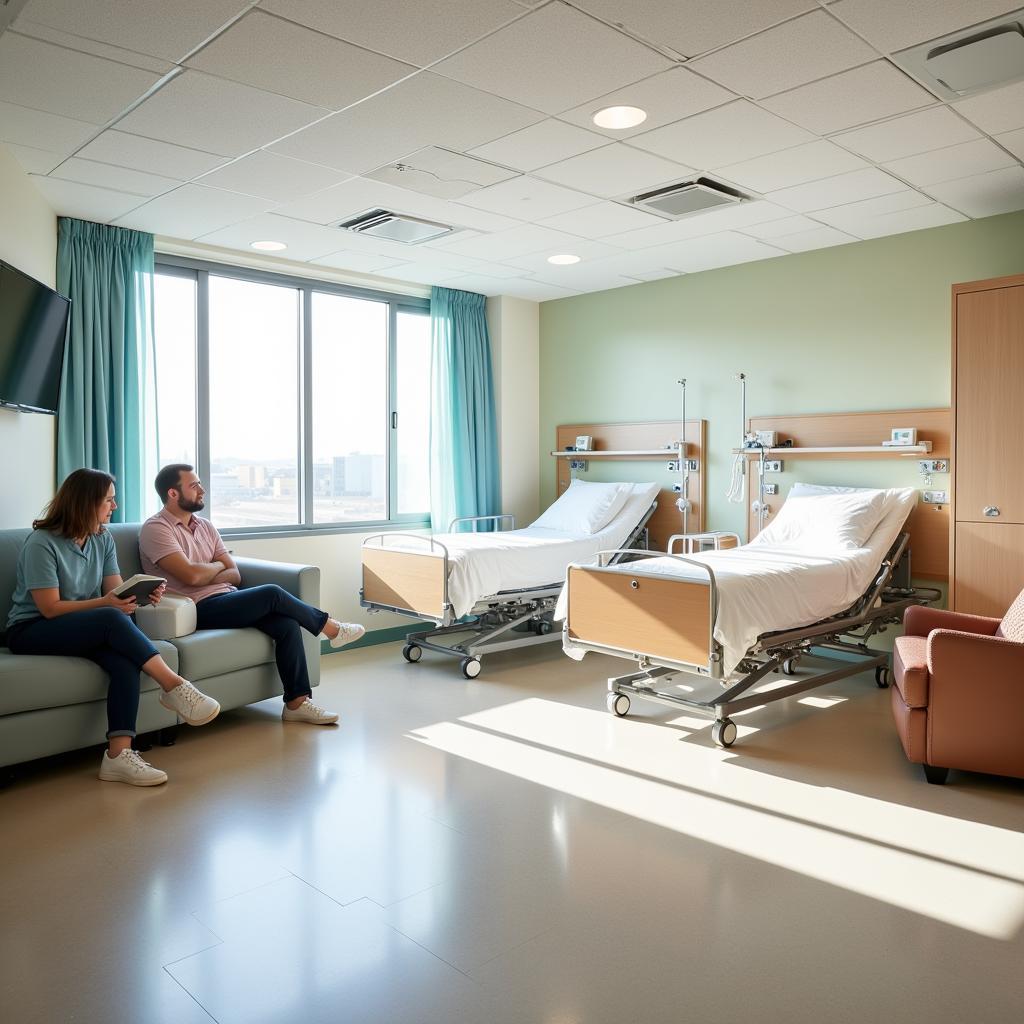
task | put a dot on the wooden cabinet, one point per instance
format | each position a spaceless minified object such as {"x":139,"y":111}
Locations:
{"x":987,"y":543}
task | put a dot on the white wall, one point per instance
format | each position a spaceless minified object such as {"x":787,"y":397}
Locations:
{"x":28,"y":241}
{"x":514,"y":325}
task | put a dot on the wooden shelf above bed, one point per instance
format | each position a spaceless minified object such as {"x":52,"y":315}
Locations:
{"x":860,"y":451}
{"x":635,"y":453}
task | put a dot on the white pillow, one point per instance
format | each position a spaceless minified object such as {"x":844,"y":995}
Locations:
{"x":584,"y":508}
{"x":840,"y":519}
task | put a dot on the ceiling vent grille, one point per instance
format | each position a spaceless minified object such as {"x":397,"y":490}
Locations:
{"x":688,"y":197}
{"x":396,"y":227}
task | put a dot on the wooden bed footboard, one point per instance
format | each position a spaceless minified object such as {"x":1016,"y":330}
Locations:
{"x":660,"y":617}
{"x":412,"y":581}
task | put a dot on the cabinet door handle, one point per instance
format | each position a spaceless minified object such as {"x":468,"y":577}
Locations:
{"x":991,"y":511}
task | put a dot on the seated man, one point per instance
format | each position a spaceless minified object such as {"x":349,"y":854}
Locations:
{"x":189,"y":552}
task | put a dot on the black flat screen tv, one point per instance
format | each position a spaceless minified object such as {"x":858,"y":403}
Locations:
{"x":33,"y":327}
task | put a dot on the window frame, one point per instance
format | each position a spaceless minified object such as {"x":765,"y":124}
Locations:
{"x":200,"y":271}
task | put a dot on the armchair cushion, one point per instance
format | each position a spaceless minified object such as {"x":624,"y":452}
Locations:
{"x":920,"y":620}
{"x":1012,"y":626}
{"x":910,"y":665}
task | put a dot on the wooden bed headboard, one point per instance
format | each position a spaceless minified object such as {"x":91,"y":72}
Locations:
{"x":648,"y":437}
{"x":928,"y":525}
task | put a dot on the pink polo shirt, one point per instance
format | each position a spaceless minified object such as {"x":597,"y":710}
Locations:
{"x":162,"y":535}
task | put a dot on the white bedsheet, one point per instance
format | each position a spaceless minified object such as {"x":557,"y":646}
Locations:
{"x":764,"y":589}
{"x":483,"y":565}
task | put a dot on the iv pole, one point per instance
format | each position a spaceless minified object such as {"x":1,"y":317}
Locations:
{"x":683,"y":502}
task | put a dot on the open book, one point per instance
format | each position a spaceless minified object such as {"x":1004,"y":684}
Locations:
{"x":139,"y":587}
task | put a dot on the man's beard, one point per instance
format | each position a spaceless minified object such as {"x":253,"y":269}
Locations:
{"x":189,"y":506}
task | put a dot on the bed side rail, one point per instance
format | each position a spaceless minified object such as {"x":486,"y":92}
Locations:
{"x":406,"y":581}
{"x":458,"y":520}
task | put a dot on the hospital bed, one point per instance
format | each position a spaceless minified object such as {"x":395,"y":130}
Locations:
{"x":810,"y":583}
{"x":495,"y":590}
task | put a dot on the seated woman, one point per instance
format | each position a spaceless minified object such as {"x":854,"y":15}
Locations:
{"x":63,"y":605}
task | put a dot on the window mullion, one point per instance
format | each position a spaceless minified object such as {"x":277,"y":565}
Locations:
{"x":392,"y":413}
{"x":306,"y":460}
{"x":203,"y":379}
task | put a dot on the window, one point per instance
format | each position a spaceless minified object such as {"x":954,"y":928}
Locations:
{"x":303,"y":405}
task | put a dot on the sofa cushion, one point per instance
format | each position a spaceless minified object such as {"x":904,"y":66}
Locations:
{"x":214,"y":652}
{"x":30,"y":682}
{"x":910,"y":664}
{"x":1012,"y":626}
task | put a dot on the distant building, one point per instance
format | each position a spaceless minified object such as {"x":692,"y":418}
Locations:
{"x":252,"y":477}
{"x":285,"y":485}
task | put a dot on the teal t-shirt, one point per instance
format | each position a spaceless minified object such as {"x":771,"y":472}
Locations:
{"x":48,"y":560}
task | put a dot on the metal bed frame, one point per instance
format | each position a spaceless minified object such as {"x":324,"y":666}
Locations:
{"x":878,"y":607}
{"x":493,"y":619}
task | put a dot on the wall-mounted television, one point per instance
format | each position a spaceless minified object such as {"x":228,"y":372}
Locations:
{"x":33,"y":327}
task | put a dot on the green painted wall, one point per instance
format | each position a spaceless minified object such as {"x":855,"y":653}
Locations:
{"x":847,"y":329}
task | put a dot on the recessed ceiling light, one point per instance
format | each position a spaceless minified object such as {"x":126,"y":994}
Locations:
{"x":620,"y":117}
{"x":268,"y":246}
{"x":563,"y":259}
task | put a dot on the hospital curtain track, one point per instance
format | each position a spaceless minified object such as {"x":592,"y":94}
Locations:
{"x":464,"y":477}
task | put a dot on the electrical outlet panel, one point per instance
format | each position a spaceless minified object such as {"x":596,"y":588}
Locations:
{"x":773,"y":465}
{"x":933,"y":465}
{"x":771,"y":488}
{"x":673,"y":467}
{"x":678,"y":488}
{"x":693,"y":465}
{"x":936,"y":497}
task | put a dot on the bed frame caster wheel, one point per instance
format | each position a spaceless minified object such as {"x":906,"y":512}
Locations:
{"x":543,"y":627}
{"x":618,"y":704}
{"x":789,"y":667}
{"x":882,"y":677}
{"x":471,"y":667}
{"x":412,"y":652}
{"x":724,"y":732}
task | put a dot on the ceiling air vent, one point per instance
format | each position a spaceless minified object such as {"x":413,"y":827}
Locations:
{"x":684,"y":198}
{"x":396,"y":227}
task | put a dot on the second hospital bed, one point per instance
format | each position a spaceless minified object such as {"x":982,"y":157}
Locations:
{"x":490,"y":591}
{"x":735,"y":616}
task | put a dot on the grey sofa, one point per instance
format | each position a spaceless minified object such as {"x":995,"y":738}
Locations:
{"x":52,"y":704}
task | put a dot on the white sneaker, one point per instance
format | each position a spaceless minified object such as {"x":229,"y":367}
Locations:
{"x":347,"y":633}
{"x":310,"y":713}
{"x":129,"y":767}
{"x":189,"y":704}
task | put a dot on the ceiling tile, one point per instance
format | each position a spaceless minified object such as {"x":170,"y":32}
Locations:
{"x":523,"y":288}
{"x":304,"y":241}
{"x":424,"y":275}
{"x":272,"y":176}
{"x":147,"y":26}
{"x":543,"y":143}
{"x":60,"y":81}
{"x":697,"y":25}
{"x":479,"y":283}
{"x":405,"y":119}
{"x":1013,"y":141}
{"x":968,"y":158}
{"x":113,"y":147}
{"x":816,"y":238}
{"x":711,"y":251}
{"x":419,"y":33}
{"x":359,"y":194}
{"x":1001,"y":110}
{"x":930,"y":215}
{"x":25,"y":127}
{"x":117,"y":54}
{"x":120,"y":179}
{"x":894,"y":26}
{"x":441,"y":173}
{"x":781,"y":228}
{"x":794,"y":166}
{"x":738,"y":216}
{"x":527,"y":198}
{"x":726,"y":135}
{"x":193,"y":210}
{"x":984,"y":195}
{"x":506,"y":245}
{"x":788,"y":55}
{"x":601,"y":220}
{"x":279,"y":56}
{"x":908,"y":135}
{"x":361,"y":262}
{"x":73,"y":199}
{"x":615,"y":170}
{"x":855,"y":97}
{"x":667,"y":97}
{"x":585,"y":278}
{"x":843,"y":188}
{"x":33,"y":161}
{"x":655,"y":275}
{"x":849,"y":214}
{"x":587,"y":251}
{"x":235,"y":118}
{"x":553,"y":59}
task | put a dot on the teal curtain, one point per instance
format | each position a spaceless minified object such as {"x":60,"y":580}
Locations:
{"x":107,"y":410}
{"x":464,"y":478}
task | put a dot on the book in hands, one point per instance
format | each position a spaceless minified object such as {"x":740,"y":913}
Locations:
{"x":140,"y":587}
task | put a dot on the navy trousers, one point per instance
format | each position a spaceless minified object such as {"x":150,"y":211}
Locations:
{"x":271,"y":610}
{"x":105,"y":636}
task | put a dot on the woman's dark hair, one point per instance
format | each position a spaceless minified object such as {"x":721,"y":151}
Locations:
{"x":72,"y":513}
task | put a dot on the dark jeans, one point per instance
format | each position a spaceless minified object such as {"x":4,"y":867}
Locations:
{"x":103,"y":635}
{"x":273,"y":611}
